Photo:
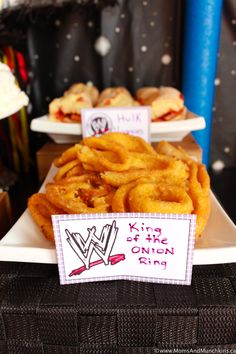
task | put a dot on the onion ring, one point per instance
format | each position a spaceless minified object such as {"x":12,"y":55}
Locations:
{"x":121,"y":173}
{"x":176,"y":173}
{"x":80,"y":195}
{"x":199,"y":188}
{"x":67,"y":156}
{"x":159,"y":198}
{"x":99,"y":160}
{"x":66,"y":168}
{"x":41,"y":210}
{"x":119,"y":201}
{"x":130,"y":142}
{"x":167,"y":149}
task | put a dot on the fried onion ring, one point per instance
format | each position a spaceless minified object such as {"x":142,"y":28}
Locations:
{"x":176,"y":172}
{"x":76,"y":195}
{"x":167,"y":149}
{"x":199,"y":188}
{"x":64,"y":170}
{"x":94,"y":154}
{"x":130,"y":142}
{"x":159,"y":198}
{"x":121,"y":173}
{"x":119,"y":201}
{"x":41,"y":210}
{"x":67,"y":156}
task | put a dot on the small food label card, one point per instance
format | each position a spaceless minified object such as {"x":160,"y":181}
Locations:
{"x":131,"y":120}
{"x":135,"y":246}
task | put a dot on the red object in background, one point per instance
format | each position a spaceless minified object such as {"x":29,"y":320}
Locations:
{"x":22,"y":66}
{"x":15,"y":60}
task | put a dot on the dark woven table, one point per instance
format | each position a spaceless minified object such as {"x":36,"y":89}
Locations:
{"x":39,"y":316}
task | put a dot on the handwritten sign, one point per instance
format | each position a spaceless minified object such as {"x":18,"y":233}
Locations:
{"x":136,"y":246}
{"x":132,"y":120}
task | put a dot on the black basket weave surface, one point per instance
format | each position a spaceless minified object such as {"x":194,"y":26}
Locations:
{"x":38,"y":315}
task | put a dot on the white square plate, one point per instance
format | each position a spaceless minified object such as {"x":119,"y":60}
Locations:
{"x":25,"y":242}
{"x":63,"y":133}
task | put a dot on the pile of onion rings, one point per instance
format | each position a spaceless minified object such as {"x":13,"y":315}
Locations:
{"x":121,"y":173}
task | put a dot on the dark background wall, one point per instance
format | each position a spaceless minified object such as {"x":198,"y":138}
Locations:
{"x":223,"y":146}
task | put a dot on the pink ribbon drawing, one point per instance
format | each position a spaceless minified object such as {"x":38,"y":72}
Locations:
{"x":116,"y":258}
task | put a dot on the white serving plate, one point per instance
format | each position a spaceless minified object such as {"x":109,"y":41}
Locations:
{"x":25,"y":242}
{"x":63,"y":133}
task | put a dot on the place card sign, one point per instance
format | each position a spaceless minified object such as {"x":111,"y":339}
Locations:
{"x":131,"y":120}
{"x":146,"y":247}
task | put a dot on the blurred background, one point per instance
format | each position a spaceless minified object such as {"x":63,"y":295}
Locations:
{"x":49,"y":45}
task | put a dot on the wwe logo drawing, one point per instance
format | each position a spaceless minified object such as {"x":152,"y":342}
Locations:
{"x":102,"y":246}
{"x":99,"y":125}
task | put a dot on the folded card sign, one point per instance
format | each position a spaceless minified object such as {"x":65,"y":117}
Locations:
{"x":131,"y":120}
{"x":135,"y":246}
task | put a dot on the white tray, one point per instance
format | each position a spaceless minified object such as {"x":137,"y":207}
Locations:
{"x":25,"y":243}
{"x":63,"y":133}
